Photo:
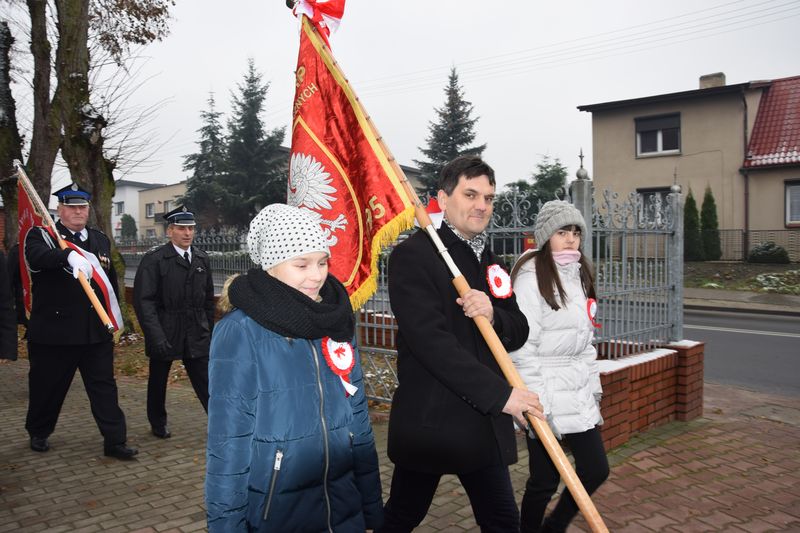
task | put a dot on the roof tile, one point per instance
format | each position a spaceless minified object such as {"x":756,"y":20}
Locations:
{"x":776,"y":133}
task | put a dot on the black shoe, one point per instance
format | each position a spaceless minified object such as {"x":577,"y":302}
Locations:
{"x":120,"y":451}
{"x":39,"y":444}
{"x":162,"y":432}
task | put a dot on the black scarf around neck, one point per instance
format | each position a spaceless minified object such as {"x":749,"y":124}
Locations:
{"x":288,"y":312}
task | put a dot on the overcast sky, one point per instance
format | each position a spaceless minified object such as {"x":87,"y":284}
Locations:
{"x":525,"y":65}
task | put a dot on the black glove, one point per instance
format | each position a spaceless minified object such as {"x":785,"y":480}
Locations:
{"x":162,"y":350}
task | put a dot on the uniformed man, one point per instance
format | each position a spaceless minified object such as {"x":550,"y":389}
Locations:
{"x":65,"y":333}
{"x":173,"y":294}
{"x":8,"y":323}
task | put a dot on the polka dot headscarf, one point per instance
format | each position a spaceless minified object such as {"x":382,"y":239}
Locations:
{"x":280,"y":232}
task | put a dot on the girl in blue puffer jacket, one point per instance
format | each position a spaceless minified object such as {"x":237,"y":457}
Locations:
{"x":290,"y":446}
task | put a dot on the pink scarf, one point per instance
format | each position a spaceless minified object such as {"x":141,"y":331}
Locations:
{"x":566,"y":257}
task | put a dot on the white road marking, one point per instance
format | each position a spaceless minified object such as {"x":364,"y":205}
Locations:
{"x":745,"y":331}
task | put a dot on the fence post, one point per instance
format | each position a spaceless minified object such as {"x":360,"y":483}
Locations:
{"x":676,"y":263}
{"x":581,"y":194}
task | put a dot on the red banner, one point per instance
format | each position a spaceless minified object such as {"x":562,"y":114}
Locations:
{"x":29,"y":217}
{"x":341,"y":171}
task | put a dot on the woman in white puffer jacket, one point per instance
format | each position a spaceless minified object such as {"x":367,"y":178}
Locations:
{"x":554,"y":286}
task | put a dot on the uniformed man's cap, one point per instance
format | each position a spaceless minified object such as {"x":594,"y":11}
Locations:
{"x":72,"y":194}
{"x":180,"y":216}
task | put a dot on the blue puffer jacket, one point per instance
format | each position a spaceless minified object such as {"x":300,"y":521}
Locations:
{"x":287,"y":451}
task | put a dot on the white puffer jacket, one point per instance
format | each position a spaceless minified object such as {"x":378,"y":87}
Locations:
{"x":558,"y":361}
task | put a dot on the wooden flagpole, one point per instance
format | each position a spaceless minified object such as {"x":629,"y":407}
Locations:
{"x":510,"y":372}
{"x":34,"y":196}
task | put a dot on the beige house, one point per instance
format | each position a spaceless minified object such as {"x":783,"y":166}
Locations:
{"x":153,"y":204}
{"x":741,"y":140}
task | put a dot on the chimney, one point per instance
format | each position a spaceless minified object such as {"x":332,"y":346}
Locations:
{"x":712,"y":80}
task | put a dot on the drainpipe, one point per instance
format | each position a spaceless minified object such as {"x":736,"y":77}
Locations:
{"x":746,"y":239}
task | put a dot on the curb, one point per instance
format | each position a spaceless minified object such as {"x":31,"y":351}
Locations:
{"x":780,"y":312}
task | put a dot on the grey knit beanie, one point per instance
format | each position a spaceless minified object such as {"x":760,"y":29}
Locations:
{"x":553,"y":216}
{"x":280,"y":232}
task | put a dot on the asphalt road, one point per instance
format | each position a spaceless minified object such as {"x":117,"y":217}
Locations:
{"x":758,"y":351}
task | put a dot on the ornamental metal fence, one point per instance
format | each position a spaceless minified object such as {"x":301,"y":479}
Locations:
{"x":227,"y":251}
{"x":637,"y":250}
{"x":637,"y":246}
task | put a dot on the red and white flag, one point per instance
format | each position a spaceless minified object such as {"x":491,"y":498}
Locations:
{"x":29,"y":216}
{"x":339,"y":169}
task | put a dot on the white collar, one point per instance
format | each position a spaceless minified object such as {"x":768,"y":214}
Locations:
{"x":181,"y":251}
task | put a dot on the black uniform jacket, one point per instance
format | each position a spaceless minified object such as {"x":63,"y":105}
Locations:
{"x":61,"y":313}
{"x":8,"y":322}
{"x":175,"y":301}
{"x":446,"y":414}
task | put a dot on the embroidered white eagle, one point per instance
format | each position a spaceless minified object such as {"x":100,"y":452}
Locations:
{"x":310,"y":187}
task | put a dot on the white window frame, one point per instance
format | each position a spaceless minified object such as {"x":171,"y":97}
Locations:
{"x":119,"y":208}
{"x":149,"y":210}
{"x":641,"y":123}
{"x":792,"y":196}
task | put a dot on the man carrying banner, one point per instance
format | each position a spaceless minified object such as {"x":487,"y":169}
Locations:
{"x":452,"y":412}
{"x":173,"y":294}
{"x":64,"y":333}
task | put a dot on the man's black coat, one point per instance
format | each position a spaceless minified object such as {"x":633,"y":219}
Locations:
{"x":8,"y":323}
{"x":446,"y":414}
{"x":174,"y":301}
{"x":61,"y":313}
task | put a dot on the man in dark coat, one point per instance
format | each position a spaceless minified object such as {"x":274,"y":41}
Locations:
{"x":65,"y":333}
{"x":173,"y":294}
{"x":452,"y":412}
{"x":8,"y":323}
{"x":16,"y":285}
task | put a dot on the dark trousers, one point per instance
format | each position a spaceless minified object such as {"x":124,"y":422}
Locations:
{"x":591,"y":465}
{"x":52,"y":368}
{"x":196,"y":368}
{"x":489,"y":490}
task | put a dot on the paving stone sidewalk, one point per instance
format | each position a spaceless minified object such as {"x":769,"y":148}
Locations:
{"x":735,"y":469}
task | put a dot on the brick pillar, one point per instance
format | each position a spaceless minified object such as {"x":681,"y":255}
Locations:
{"x":689,"y":403}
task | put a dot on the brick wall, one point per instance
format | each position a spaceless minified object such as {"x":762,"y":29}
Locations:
{"x":649,"y":390}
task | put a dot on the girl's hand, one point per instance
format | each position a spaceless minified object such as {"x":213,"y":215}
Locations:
{"x":475,"y":303}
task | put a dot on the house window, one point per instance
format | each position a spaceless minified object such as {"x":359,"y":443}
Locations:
{"x":658,"y":135}
{"x":168,"y":205}
{"x":652,"y":207}
{"x":150,"y":232}
{"x":149,"y":209}
{"x":792,"y":203}
{"x":119,"y":208}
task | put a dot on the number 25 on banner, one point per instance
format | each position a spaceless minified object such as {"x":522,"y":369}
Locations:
{"x":377,"y":207}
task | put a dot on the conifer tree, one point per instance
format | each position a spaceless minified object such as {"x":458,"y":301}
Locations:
{"x":257,"y":167}
{"x":692,"y":242}
{"x":449,"y":136}
{"x":205,"y":193}
{"x":128,"y":229}
{"x":709,"y":227}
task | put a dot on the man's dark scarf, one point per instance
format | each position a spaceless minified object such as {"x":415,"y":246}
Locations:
{"x":288,"y":312}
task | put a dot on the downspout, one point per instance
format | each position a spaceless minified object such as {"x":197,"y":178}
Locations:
{"x":746,"y":236}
